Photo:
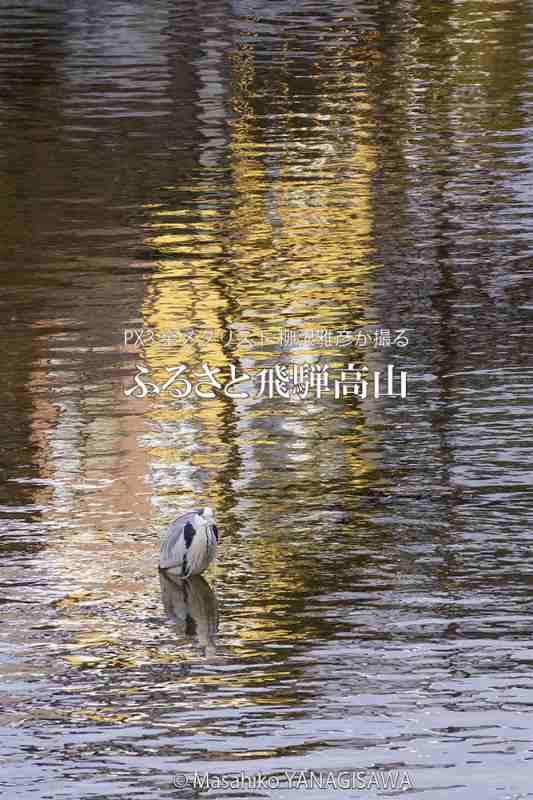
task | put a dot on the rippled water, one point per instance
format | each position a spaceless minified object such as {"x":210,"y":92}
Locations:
{"x":250,"y":185}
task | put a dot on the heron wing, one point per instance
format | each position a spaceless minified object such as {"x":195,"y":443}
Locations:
{"x":173,"y":544}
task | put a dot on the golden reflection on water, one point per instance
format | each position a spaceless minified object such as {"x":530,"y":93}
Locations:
{"x":299,"y":213}
{"x":301,"y":166}
{"x":271,"y":240}
{"x":292,"y":205}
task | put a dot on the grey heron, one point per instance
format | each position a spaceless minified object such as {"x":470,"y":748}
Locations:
{"x":190,"y":543}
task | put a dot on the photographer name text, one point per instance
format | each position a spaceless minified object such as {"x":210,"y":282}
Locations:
{"x":359,"y":780}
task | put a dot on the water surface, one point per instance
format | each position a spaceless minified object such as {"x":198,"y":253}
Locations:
{"x":252,"y":184}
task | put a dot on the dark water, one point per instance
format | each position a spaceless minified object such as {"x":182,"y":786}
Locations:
{"x":246,"y":181}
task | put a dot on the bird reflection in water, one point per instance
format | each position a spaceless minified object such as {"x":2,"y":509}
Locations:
{"x":192,"y":606}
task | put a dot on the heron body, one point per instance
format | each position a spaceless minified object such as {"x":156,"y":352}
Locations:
{"x":190,"y":543}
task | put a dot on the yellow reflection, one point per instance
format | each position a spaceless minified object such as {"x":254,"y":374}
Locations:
{"x":279,"y":236}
